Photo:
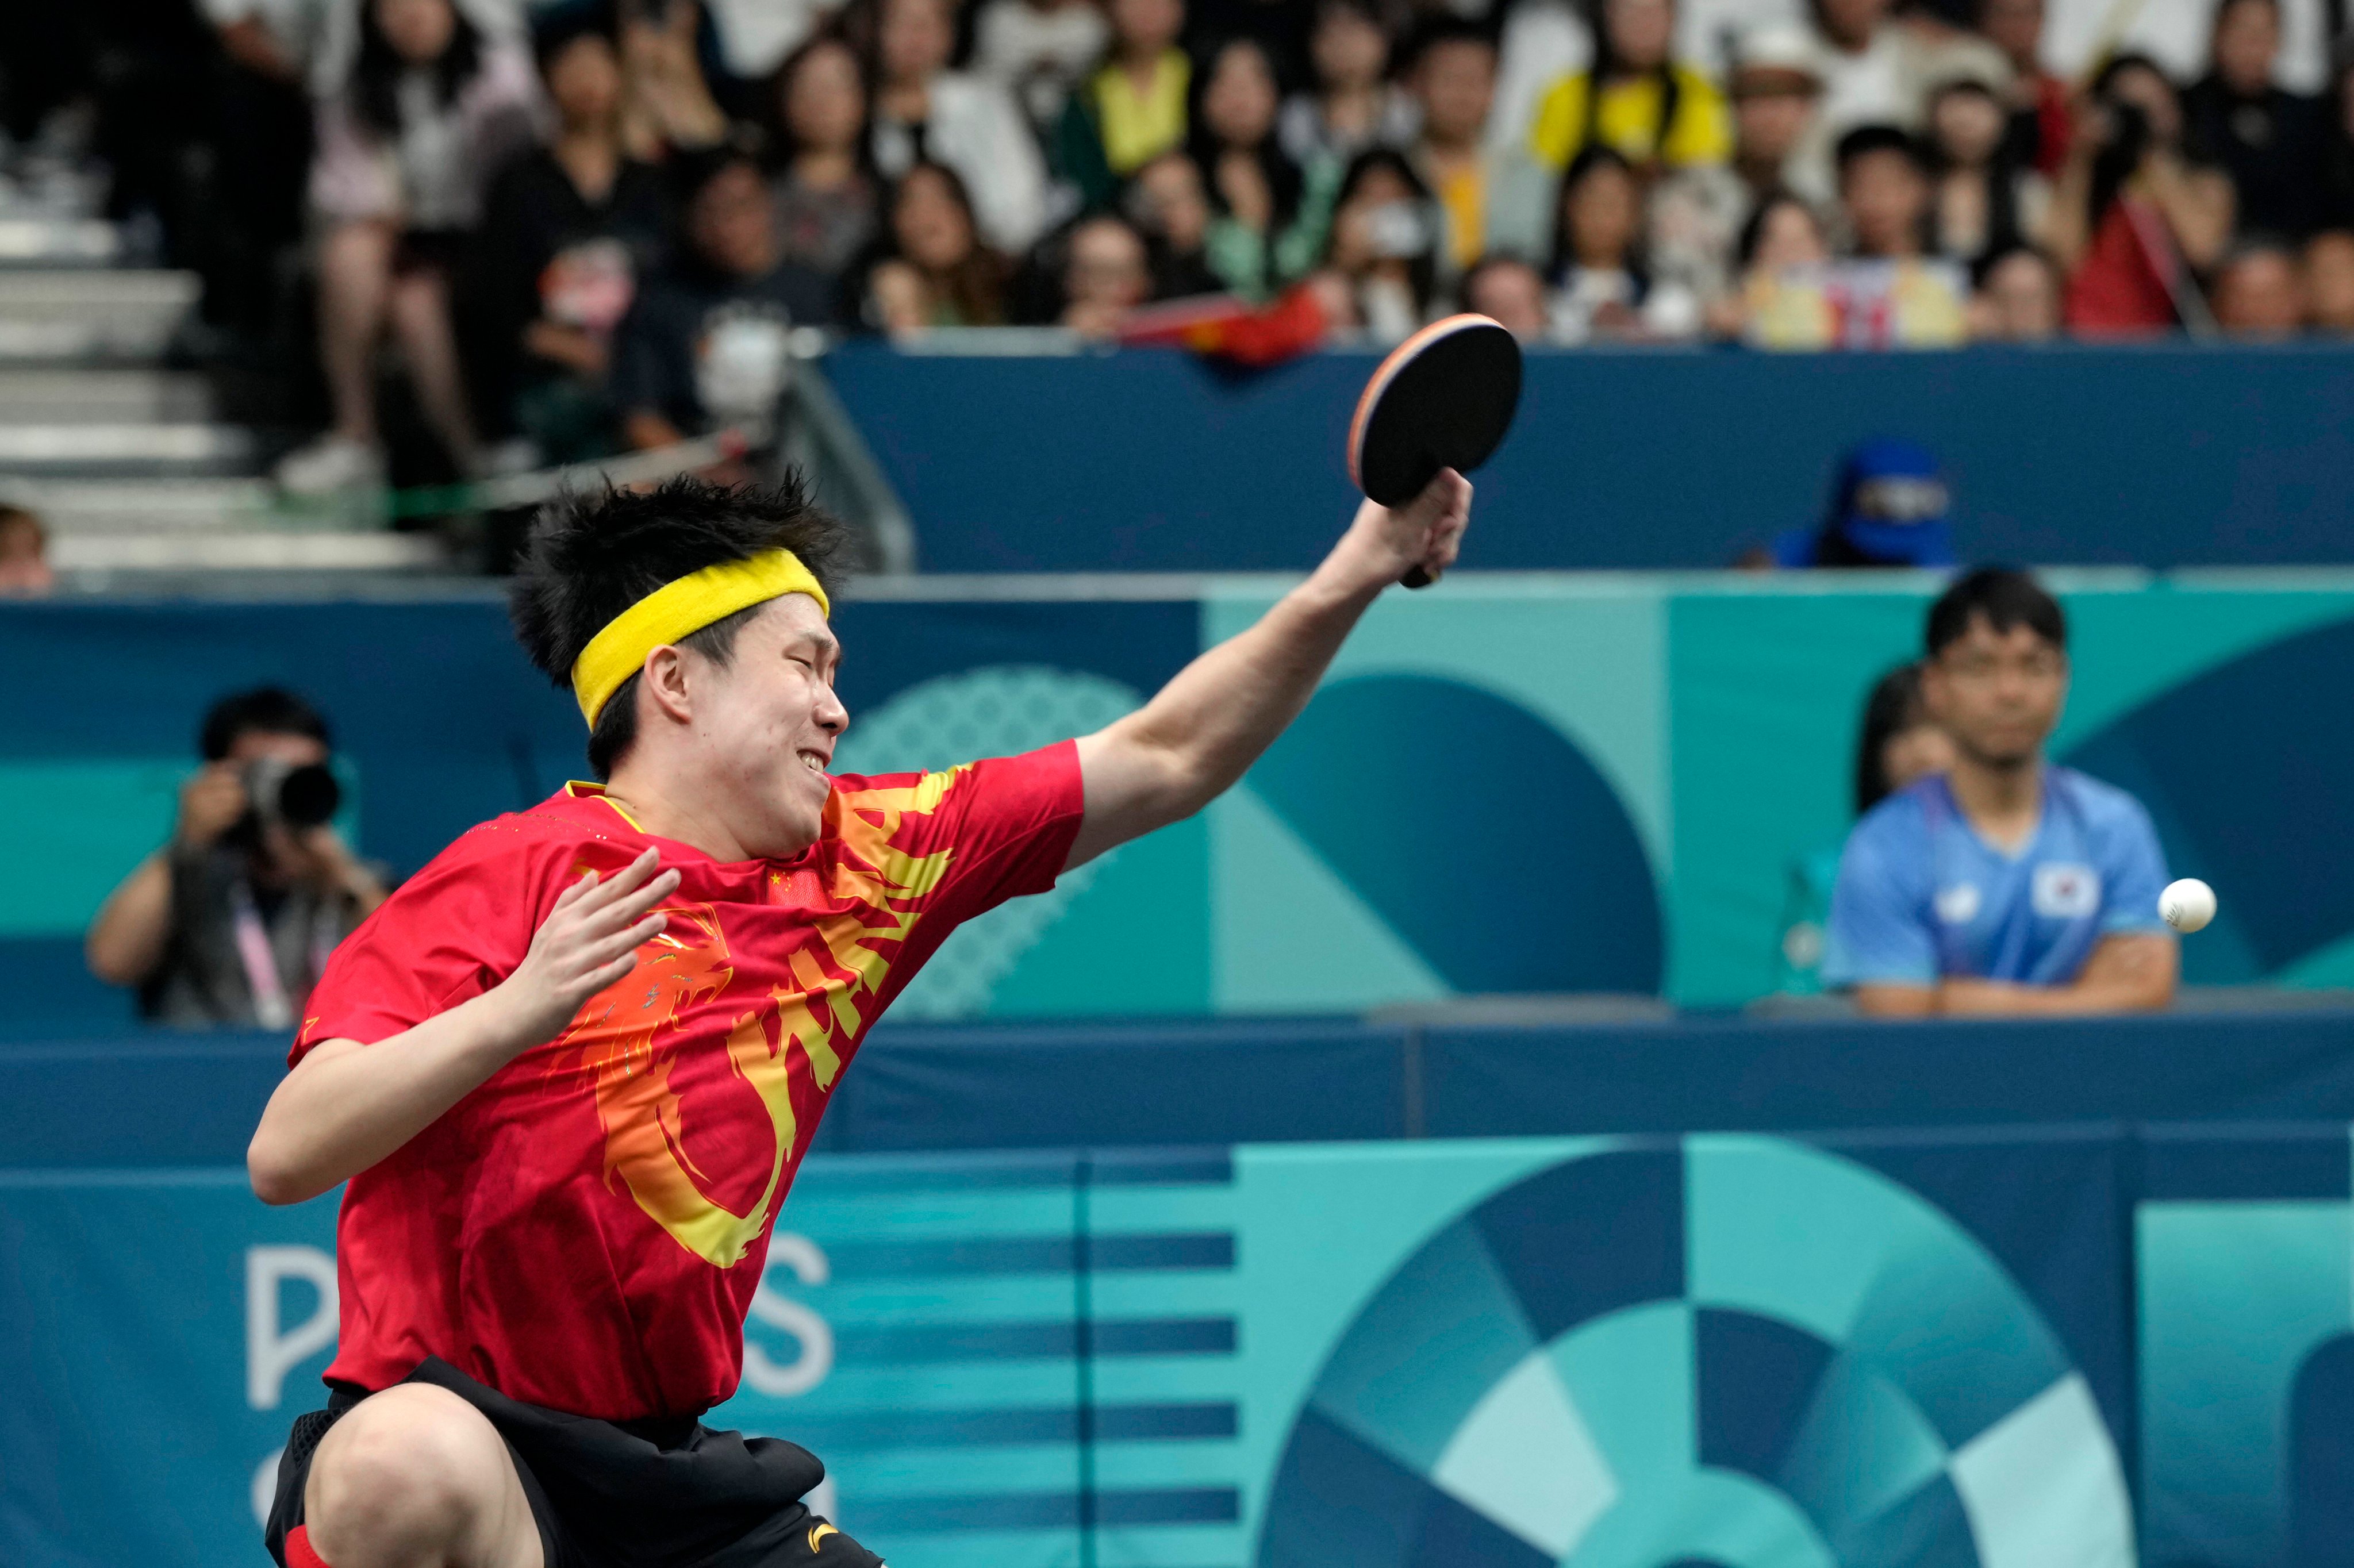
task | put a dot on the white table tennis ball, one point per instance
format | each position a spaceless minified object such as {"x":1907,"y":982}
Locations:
{"x":2187,"y":904}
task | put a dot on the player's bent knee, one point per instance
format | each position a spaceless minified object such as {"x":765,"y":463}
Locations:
{"x":404,"y":1474}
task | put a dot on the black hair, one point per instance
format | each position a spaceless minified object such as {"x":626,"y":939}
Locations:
{"x":1894,"y":706}
{"x":1983,"y":268}
{"x":977,"y":288}
{"x":2258,"y":242}
{"x":2114,"y":164}
{"x":1422,"y":267}
{"x":1285,"y":185}
{"x":1443,"y":28}
{"x":1592,"y":156}
{"x":778,"y":122}
{"x":554,"y":30}
{"x":2223,"y":8}
{"x":1386,"y":158}
{"x":592,"y":554}
{"x":1607,"y":65}
{"x":265,"y":710}
{"x":691,"y":173}
{"x":1753,"y":230}
{"x":1370,"y":12}
{"x":375,"y":75}
{"x":2005,"y":597}
{"x":1866,"y":140}
{"x":14,"y":519}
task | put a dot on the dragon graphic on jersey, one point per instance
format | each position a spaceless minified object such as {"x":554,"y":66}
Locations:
{"x":617,"y":1038}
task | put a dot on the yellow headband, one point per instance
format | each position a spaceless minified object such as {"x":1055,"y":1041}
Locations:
{"x":679,"y":610}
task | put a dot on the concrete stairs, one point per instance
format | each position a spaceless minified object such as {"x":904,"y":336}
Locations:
{"x":129,"y":462}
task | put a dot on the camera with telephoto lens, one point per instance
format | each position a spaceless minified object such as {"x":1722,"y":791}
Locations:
{"x":299,"y":795}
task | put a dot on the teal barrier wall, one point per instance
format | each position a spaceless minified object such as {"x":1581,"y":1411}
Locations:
{"x":1510,"y":783}
{"x":2079,"y":1346}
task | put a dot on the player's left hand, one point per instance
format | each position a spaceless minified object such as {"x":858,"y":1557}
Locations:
{"x":1385,"y":543}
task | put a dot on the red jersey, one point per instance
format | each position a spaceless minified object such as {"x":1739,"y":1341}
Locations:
{"x":2121,"y":288}
{"x":585,"y":1230}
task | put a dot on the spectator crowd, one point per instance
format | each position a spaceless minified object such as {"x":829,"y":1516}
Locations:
{"x":594,"y":223}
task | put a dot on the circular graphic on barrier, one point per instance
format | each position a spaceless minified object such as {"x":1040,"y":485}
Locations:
{"x":1385,"y":776}
{"x":1741,"y":1353}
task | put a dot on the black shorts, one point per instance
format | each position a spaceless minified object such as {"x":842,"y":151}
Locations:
{"x":660,"y":1494}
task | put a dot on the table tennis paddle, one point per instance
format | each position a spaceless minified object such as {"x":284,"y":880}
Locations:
{"x":1444,"y":399}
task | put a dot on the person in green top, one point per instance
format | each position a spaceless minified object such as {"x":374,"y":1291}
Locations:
{"x":1269,"y":215}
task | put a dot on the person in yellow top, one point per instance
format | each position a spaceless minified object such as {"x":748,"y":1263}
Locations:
{"x":1654,"y":110}
{"x":1132,"y":110}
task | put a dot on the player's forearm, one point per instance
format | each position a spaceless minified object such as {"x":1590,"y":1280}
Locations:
{"x":347,"y":1106}
{"x":1994,"y":999}
{"x":126,"y":940}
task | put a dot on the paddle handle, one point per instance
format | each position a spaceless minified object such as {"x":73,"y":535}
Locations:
{"x":1416,"y":577}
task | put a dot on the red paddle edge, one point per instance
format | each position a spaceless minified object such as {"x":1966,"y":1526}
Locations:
{"x":1399,"y":357}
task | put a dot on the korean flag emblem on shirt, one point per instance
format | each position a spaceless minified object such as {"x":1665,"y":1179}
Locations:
{"x":2065,"y":891}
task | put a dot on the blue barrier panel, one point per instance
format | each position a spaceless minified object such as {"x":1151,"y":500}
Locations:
{"x":1729,"y":1073}
{"x":1156,"y":461}
{"x":177,"y":1100}
{"x":1122,"y":1084}
{"x":1738,"y":1349}
{"x":142,"y":1100}
{"x":2241,"y":1242}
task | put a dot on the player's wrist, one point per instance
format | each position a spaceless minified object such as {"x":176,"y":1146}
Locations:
{"x":1358,"y":567}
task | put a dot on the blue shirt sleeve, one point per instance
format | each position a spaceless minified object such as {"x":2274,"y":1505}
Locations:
{"x":1879,"y":932}
{"x":2133,"y":871}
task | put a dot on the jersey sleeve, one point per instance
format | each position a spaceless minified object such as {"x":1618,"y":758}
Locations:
{"x":989,"y":831}
{"x":449,"y":932}
{"x":1879,"y":932}
{"x":2133,"y":873}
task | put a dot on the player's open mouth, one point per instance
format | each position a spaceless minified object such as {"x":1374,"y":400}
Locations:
{"x":816,"y":762}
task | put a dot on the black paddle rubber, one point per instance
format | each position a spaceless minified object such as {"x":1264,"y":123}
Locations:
{"x":1444,"y":399}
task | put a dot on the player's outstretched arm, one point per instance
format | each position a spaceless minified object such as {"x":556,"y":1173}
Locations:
{"x":1183,"y":749}
{"x":347,"y":1106}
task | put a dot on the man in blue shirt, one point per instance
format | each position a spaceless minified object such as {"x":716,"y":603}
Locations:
{"x":2005,"y":885}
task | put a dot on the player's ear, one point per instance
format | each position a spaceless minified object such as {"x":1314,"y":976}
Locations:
{"x":664,"y":681}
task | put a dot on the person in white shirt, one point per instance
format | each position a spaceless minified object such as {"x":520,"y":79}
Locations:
{"x":924,"y":111}
{"x":1037,"y":49}
{"x":1877,"y":70}
{"x":1354,"y":105}
{"x":434,"y":108}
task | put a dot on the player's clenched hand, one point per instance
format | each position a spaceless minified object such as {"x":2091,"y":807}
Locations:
{"x":1426,"y":532}
{"x":588,"y":941}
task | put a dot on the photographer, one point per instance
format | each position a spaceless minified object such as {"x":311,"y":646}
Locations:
{"x":2137,"y":213}
{"x":232,"y":921}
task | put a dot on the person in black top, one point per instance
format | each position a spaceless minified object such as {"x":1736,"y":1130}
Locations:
{"x":570,"y":229}
{"x":2269,"y":139}
{"x":705,"y":343}
{"x":230,"y":922}
{"x":2334,"y":203}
